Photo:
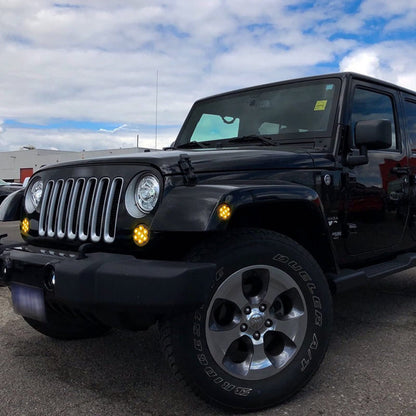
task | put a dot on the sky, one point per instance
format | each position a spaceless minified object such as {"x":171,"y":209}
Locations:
{"x":100,"y":74}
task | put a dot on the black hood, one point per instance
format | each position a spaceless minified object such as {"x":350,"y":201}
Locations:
{"x":9,"y":188}
{"x":207,"y":160}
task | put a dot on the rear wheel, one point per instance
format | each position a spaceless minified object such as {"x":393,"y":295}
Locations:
{"x":264,"y":328}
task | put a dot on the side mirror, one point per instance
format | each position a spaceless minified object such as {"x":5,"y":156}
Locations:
{"x":373,"y":134}
{"x":369,"y":135}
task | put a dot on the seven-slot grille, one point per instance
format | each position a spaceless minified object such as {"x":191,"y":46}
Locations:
{"x":81,"y":209}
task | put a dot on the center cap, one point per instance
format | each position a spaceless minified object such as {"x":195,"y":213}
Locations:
{"x":256,"y":321}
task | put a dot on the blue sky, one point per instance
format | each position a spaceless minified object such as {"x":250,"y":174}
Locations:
{"x":82,"y":75}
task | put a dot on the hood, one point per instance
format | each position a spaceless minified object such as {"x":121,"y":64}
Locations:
{"x":206,"y":160}
{"x":10,"y":188}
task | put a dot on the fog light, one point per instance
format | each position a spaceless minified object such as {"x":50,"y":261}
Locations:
{"x":224,"y":212}
{"x":25,"y":226}
{"x":50,"y":277}
{"x":141,"y":235}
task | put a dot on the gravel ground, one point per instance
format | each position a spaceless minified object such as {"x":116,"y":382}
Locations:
{"x":369,"y":369}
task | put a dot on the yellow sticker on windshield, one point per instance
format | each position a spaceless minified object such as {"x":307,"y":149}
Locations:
{"x":320,"y":105}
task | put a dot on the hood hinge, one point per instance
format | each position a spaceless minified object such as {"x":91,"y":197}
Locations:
{"x":187,"y":169}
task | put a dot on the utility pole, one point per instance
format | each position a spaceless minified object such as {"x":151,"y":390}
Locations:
{"x":157,"y":93}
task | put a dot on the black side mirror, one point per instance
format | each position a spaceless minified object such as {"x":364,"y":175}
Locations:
{"x":374,"y":134}
{"x":369,"y":135}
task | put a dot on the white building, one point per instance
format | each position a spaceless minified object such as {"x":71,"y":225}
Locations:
{"x":17,"y":165}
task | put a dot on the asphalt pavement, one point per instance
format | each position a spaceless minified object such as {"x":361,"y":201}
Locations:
{"x":370,"y":367}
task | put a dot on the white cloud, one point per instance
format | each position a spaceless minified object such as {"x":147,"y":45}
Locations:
{"x":123,"y":126}
{"x":366,"y":62}
{"x":97,"y":60}
{"x":390,"y":61}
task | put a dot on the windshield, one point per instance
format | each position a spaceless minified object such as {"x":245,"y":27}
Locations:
{"x":286,"y":114}
{"x":2,"y":182}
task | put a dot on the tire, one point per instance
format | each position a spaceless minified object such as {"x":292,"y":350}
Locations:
{"x":61,"y":327}
{"x":264,"y":329}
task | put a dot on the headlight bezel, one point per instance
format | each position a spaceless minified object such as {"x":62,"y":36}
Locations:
{"x":33,"y":195}
{"x":133,"y":206}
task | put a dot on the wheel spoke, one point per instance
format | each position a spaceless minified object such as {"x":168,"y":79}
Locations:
{"x":232,"y":290}
{"x":279,"y":349}
{"x":222,"y":339}
{"x":259,"y":359}
{"x":238,"y":297}
{"x":278,"y":284}
{"x":270,"y":295}
{"x":292,"y":327}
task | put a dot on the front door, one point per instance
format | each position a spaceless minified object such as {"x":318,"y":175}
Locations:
{"x":376,"y":193}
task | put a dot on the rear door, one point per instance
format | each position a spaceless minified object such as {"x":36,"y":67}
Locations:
{"x":410,"y":123}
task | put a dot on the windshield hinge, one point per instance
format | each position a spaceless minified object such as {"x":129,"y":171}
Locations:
{"x":187,"y":169}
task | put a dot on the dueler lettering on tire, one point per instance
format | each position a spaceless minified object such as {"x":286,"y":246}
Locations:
{"x":264,"y":329}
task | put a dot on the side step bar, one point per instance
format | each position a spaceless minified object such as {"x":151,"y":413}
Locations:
{"x":349,"y":279}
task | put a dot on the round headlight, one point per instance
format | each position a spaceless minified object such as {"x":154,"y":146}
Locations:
{"x":33,"y":196}
{"x":147,"y":193}
{"x":36,"y":192}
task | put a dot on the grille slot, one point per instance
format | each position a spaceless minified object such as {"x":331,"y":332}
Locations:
{"x":81,"y":209}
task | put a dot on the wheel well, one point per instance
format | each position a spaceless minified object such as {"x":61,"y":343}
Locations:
{"x":299,"y":221}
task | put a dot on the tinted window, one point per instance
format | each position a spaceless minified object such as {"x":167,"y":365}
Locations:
{"x":370,"y":105}
{"x":410,"y":107}
{"x":215,"y":127}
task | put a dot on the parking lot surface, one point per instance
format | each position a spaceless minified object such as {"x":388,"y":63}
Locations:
{"x":370,"y":367}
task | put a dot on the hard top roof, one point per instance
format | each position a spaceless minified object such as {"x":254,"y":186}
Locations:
{"x":340,"y":75}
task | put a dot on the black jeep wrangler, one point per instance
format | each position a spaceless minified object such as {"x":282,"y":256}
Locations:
{"x":234,"y":240}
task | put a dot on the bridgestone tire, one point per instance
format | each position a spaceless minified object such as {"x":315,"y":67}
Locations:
{"x":264,"y":329}
{"x":67,"y":328}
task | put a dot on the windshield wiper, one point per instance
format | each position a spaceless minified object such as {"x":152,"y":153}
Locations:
{"x":266,"y":140}
{"x":191,"y":145}
{"x":253,"y":138}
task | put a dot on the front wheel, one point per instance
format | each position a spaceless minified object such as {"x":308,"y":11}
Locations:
{"x":264,"y":329}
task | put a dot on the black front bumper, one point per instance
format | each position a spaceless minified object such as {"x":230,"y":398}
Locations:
{"x":107,"y":284}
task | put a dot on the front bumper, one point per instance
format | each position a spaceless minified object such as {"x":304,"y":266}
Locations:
{"x":105,"y":283}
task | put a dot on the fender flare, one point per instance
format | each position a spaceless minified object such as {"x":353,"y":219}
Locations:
{"x":11,"y":207}
{"x":195,"y":207}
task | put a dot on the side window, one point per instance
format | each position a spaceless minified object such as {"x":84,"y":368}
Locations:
{"x":410,"y":108}
{"x":214,"y":127}
{"x":370,"y":105}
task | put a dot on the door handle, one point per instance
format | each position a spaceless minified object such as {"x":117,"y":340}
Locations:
{"x":400,"y":170}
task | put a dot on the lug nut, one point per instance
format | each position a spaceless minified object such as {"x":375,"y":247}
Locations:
{"x":256,"y":336}
{"x":243,"y":328}
{"x":262,"y":308}
{"x":247,"y":310}
{"x":268,"y":323}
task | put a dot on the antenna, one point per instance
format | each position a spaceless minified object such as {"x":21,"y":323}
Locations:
{"x":157,"y":93}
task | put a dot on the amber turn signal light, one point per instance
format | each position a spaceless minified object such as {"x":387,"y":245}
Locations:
{"x":141,"y":235}
{"x":224,"y":212}
{"x":25,"y":226}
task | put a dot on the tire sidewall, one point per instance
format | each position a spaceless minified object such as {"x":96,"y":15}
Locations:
{"x":208,"y":376}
